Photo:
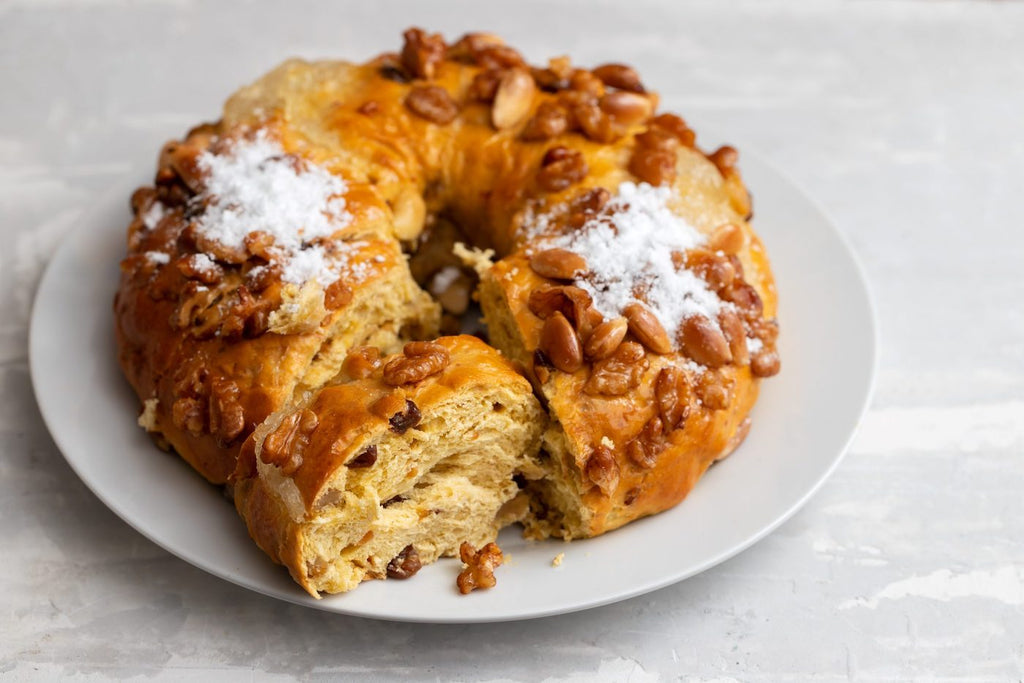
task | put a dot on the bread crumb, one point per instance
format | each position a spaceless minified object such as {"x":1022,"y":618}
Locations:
{"x":479,"y":260}
{"x":557,"y":562}
{"x":147,"y":419}
{"x":607,"y":443}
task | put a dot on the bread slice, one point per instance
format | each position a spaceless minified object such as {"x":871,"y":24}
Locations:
{"x":392,"y":468}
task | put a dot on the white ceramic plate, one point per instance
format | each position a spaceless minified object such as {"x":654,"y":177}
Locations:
{"x":801,"y":426}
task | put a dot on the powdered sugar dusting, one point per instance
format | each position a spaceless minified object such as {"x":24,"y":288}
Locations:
{"x":255,"y":186}
{"x":153,"y":215}
{"x":159,"y":257}
{"x":629,"y":251}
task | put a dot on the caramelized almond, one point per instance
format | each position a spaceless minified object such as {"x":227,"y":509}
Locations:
{"x":558,"y":341}
{"x":605,"y":338}
{"x":558,"y":264}
{"x":513,"y":99}
{"x":646,"y":328}
{"x":704,"y":342}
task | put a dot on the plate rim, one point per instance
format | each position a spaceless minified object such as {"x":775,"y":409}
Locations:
{"x":116,"y":189}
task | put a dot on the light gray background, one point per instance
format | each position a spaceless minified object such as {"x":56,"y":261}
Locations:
{"x":904,"y":119}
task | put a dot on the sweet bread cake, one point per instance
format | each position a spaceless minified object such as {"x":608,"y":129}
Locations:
{"x":291,"y":268}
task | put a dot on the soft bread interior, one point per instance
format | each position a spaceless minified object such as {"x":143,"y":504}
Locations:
{"x":449,"y":479}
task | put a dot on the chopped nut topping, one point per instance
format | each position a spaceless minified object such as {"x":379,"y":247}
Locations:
{"x":285,"y":445}
{"x":704,"y":342}
{"x":602,"y":470}
{"x":550,"y":120}
{"x":361,"y":362}
{"x":605,"y":338}
{"x":417,"y":361}
{"x":620,"y":76}
{"x":513,"y":99}
{"x":765,"y":363}
{"x":561,"y":167}
{"x":405,"y":564}
{"x":672,"y":394}
{"x":479,"y":567}
{"x":558,"y":264}
{"x":422,"y":52}
{"x":433,"y":103}
{"x":646,"y":328}
{"x":620,"y":372}
{"x":560,"y":344}
{"x":648,"y":444}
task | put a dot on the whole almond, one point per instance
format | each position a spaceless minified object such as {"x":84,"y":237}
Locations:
{"x":513,"y":99}
{"x":558,"y":264}
{"x":560,"y":344}
{"x":728,"y":238}
{"x":646,"y":328}
{"x":627,"y":107}
{"x":605,"y":338}
{"x":735,"y":334}
{"x":704,"y":342}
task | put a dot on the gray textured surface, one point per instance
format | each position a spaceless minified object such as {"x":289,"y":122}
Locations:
{"x":906,"y":120}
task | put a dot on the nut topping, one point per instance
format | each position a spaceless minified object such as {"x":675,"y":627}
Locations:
{"x":550,"y":120}
{"x":405,"y":564}
{"x":418,"y":361}
{"x":646,"y":328}
{"x":558,"y":264}
{"x":765,"y":363}
{"x":672,"y":394}
{"x":648,"y":444}
{"x":602,"y":470}
{"x":361,"y":362}
{"x":422,"y":52}
{"x":605,"y":338}
{"x":704,"y":342}
{"x":560,"y":344}
{"x":735,"y":334}
{"x":561,"y":168}
{"x":626,"y":108}
{"x":714,"y":391}
{"x":619,"y":76}
{"x":653,"y":166}
{"x":480,"y":566}
{"x":513,"y":99}
{"x":285,"y":445}
{"x":728,"y":238}
{"x":573,"y":302}
{"x":433,"y":103}
{"x":618,"y":373}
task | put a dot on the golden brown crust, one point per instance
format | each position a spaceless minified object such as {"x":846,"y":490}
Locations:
{"x":471,"y":133}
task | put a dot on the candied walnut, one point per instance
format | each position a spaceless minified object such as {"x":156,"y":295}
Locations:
{"x":550,"y":120}
{"x":498,"y":56}
{"x":596,"y":124}
{"x":714,"y":268}
{"x":405,"y":564}
{"x":258,"y":278}
{"x":765,"y":363}
{"x":702,"y":341}
{"x":748,"y":301}
{"x":620,"y":372}
{"x":573,"y":302}
{"x":484,"y":86}
{"x":200,"y":267}
{"x":654,"y":166}
{"x":602,"y":470}
{"x":227,"y":419}
{"x":735,"y":334}
{"x":714,"y":391}
{"x":561,"y":168}
{"x":620,"y":76}
{"x":479,"y":567}
{"x":675,"y":126}
{"x":285,"y":445}
{"x":406,"y":419}
{"x":627,"y":108}
{"x":558,"y":264}
{"x":417,"y":361}
{"x":188,"y":414}
{"x":366,"y":458}
{"x":433,"y":103}
{"x":646,"y":328}
{"x":362,"y":361}
{"x":259,"y":243}
{"x":591,"y":201}
{"x":631,"y":495}
{"x":560,"y":344}
{"x":672,"y":395}
{"x":422,"y":52}
{"x":513,"y":99}
{"x":466,"y":48}
{"x":605,"y":338}
{"x":765,"y":329}
{"x":645,"y":448}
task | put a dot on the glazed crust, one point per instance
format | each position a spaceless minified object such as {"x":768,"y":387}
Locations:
{"x":480,"y":138}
